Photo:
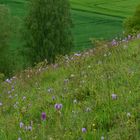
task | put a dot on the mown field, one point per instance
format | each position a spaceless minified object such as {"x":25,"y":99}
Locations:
{"x":89,"y":96}
{"x":99,"y":18}
{"x":91,"y":18}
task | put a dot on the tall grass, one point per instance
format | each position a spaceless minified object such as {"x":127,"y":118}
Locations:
{"x":98,"y":90}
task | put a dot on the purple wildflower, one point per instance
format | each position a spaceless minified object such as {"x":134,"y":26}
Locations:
{"x":30,"y":128}
{"x":77,"y":54}
{"x":8,"y":81}
{"x":43,"y":116}
{"x":114,"y":96}
{"x":53,"y":98}
{"x":66,"y":81}
{"x":114,"y":42}
{"x":13,"y":88}
{"x":58,"y":106}
{"x":84,"y":130}
{"x":21,"y":124}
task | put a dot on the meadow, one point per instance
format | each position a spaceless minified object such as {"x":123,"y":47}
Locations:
{"x":89,"y":95}
{"x":92,"y":95}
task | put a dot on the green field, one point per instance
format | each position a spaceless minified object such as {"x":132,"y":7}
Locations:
{"x":99,"y":18}
{"x":91,"y":18}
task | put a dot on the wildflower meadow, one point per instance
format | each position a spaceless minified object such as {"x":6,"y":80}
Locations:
{"x":93,"y":95}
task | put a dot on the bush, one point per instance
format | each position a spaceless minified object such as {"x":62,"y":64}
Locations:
{"x":48,"y":30}
{"x":132,"y":24}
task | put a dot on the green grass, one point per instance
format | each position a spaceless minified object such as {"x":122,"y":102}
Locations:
{"x":84,"y":86}
{"x":113,"y":8}
{"x":91,"y":18}
{"x":99,"y":18}
{"x":90,"y":25}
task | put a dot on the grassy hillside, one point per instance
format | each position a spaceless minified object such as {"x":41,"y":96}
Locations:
{"x":99,"y":93}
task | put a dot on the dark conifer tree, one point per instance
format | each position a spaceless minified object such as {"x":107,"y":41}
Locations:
{"x":48,"y":30}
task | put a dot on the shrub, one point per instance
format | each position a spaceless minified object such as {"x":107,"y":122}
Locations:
{"x":132,"y":24}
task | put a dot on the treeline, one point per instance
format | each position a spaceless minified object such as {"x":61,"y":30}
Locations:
{"x":45,"y":33}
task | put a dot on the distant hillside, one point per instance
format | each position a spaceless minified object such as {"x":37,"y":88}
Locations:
{"x":94,"y":95}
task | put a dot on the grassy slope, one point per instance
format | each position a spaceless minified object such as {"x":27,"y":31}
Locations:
{"x":86,"y":97}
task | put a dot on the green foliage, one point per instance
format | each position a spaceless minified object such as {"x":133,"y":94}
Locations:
{"x":132,"y":24}
{"x":5,"y":35}
{"x":2,"y":76}
{"x":48,"y":30}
